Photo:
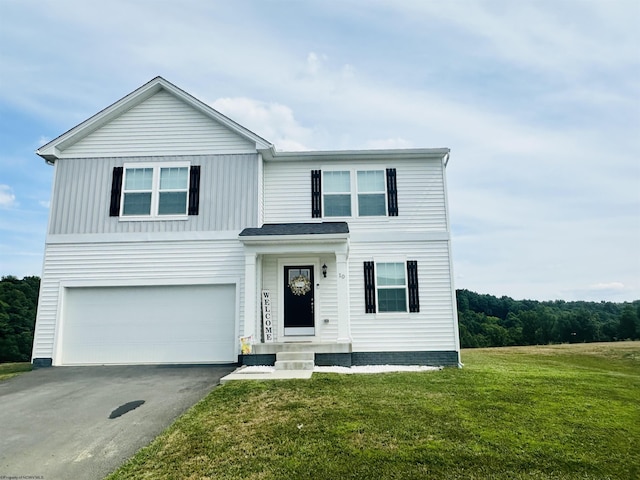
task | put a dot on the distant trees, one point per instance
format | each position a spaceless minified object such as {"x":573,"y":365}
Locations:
{"x":18,"y":304}
{"x":488,"y":321}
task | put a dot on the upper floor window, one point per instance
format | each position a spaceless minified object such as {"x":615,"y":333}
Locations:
{"x":371,"y":193}
{"x":155,"y":191}
{"x":337,"y":194}
{"x":367,"y":192}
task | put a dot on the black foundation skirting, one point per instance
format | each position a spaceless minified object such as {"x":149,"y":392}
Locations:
{"x":431,"y":358}
{"x":42,"y":362}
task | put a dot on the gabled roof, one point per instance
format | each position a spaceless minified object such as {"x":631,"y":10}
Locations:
{"x":51,"y":151}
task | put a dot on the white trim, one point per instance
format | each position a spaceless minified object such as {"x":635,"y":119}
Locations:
{"x":300,"y":331}
{"x":155,"y":191}
{"x":137,"y":237}
{"x":410,"y":153}
{"x":454,"y":302}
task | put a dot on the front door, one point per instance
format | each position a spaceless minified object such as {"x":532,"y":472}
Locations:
{"x":298,"y":300}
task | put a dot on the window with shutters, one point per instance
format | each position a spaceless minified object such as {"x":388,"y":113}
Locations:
{"x":374,"y":193}
{"x":165,"y":191}
{"x":391,"y":287}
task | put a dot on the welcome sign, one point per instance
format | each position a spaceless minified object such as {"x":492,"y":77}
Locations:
{"x":267,"y":322}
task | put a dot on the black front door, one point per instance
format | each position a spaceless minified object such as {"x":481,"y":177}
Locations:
{"x":298,"y":300}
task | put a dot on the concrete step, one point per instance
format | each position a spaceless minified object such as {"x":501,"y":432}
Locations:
{"x":294,"y":365}
{"x":295,"y":360}
{"x":290,"y":356}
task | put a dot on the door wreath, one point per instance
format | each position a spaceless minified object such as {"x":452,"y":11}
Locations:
{"x":300,"y":285}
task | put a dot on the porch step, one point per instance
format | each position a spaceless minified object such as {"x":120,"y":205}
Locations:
{"x":295,"y":361}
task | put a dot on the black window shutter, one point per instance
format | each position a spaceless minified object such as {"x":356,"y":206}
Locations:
{"x":412,"y":283}
{"x":369,"y":288}
{"x":316,"y":194}
{"x":392,"y":193}
{"x":194,"y":190}
{"x":116,"y":191}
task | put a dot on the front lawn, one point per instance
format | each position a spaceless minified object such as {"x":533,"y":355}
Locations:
{"x":8,"y":370}
{"x":561,"y":412}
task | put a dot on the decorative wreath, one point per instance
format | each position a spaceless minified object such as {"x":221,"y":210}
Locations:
{"x":300,"y":285}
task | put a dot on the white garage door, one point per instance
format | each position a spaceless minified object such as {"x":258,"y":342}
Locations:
{"x":154,"y":324}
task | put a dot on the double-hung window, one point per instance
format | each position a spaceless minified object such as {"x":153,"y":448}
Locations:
{"x":368,"y":193}
{"x":155,"y":191}
{"x":391,"y":287}
{"x":337,"y":193}
{"x":371,"y":193}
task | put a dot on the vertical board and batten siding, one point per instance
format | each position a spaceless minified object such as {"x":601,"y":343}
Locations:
{"x":420,"y":183}
{"x":110,"y":263}
{"x":160,"y":125}
{"x":432,"y":329}
{"x":228,"y":195}
{"x":326,"y":298}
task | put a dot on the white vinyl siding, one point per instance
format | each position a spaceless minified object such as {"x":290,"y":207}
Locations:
{"x":142,"y":263}
{"x":160,"y":125}
{"x":421,"y":200}
{"x":430,"y":329}
{"x":82,"y":193}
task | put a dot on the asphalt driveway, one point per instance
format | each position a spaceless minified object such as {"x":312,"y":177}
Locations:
{"x":54,"y":422}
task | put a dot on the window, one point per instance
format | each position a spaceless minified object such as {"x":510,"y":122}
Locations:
{"x":337,"y":194}
{"x":376,"y":193}
{"x":371,"y":193}
{"x":391,"y":283}
{"x":391,"y":287}
{"x":155,"y":191}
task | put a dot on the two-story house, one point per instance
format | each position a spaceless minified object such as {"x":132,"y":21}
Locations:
{"x":175,"y":232}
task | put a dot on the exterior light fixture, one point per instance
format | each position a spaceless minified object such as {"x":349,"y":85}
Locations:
{"x":324,"y":270}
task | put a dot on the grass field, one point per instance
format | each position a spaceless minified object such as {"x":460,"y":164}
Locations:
{"x":552,"y":412}
{"x":8,"y":370}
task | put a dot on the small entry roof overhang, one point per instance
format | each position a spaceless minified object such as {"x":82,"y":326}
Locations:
{"x":312,"y":236}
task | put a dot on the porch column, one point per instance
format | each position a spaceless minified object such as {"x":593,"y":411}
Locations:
{"x":250,"y":295}
{"x":344,"y":321}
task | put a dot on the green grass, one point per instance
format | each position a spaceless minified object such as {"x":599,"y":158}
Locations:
{"x":8,"y":370}
{"x":554,"y":412}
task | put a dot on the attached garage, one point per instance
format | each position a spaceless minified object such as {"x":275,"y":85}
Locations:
{"x":148,"y":324}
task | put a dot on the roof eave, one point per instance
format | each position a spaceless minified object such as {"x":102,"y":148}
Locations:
{"x":273,"y":155}
{"x":301,"y":238}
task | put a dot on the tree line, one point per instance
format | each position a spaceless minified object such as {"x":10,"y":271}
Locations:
{"x":484,"y":320}
{"x":489,"y":321}
{"x":18,"y":305}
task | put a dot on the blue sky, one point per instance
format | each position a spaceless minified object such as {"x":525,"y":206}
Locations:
{"x":539,"y":102}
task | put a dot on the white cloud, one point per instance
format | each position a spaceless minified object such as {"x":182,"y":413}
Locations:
{"x":7,"y":197}
{"x":388,"y":143}
{"x":314,"y":63}
{"x":44,"y":203}
{"x":607,"y":286}
{"x":272,"y":121}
